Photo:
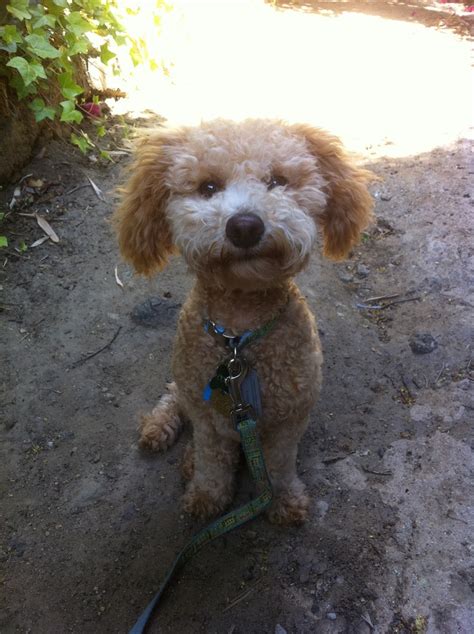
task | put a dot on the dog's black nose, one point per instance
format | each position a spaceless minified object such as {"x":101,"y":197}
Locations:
{"x":244,"y":229}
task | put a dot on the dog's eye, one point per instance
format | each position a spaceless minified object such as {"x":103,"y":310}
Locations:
{"x":209,"y":188}
{"x":277,"y":181}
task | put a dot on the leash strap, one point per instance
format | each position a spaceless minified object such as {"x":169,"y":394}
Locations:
{"x":247,"y":429}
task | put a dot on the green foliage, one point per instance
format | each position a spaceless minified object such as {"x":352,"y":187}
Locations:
{"x":44,"y":43}
{"x":3,"y":239}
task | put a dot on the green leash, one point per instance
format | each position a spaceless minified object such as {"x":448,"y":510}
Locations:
{"x":243,"y":418}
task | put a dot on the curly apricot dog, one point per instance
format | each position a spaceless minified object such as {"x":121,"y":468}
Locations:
{"x":242,"y":203}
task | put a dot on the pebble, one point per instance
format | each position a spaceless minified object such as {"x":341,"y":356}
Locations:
{"x":279,"y":629}
{"x":362,"y":270}
{"x":346,"y":277}
{"x":332,"y":616}
{"x":423,"y":343}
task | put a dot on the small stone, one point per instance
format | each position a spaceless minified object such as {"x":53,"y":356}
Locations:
{"x":362,"y":270}
{"x":422,"y":343}
{"x":420,"y":413}
{"x":346,"y":277}
{"x":332,"y":616}
{"x":279,"y":629}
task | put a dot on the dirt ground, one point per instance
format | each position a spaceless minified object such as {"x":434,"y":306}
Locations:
{"x":89,"y":524}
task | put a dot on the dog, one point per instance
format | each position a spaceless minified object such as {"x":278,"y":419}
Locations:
{"x":242,"y":203}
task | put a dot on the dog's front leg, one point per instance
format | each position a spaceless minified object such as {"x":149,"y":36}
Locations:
{"x":214,"y":461}
{"x":280,"y":447}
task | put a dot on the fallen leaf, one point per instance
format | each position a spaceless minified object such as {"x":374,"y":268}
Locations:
{"x":97,"y":191}
{"x":36,"y":243}
{"x":117,"y":279}
{"x":47,"y":228}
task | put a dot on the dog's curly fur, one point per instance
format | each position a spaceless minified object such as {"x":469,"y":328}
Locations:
{"x":163,"y":212}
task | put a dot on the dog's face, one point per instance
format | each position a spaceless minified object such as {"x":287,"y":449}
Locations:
{"x":241,"y":201}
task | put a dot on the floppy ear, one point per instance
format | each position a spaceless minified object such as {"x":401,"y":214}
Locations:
{"x":144,"y":234}
{"x":349,"y":205}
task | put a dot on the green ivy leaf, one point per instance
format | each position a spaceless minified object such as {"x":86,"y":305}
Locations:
{"x":21,"y":89}
{"x":27,"y":71}
{"x":3,"y":241}
{"x":77,"y":24}
{"x":41,"y":110}
{"x":45,"y":20}
{"x":19,"y":8}
{"x":101,"y":131}
{"x":40,"y":46}
{"x":105,"y":155}
{"x":81,"y":142}
{"x":22,"y":247}
{"x":105,"y":54}
{"x":69,"y":88}
{"x":69,"y":113}
{"x":60,"y":3}
{"x":9,"y":33}
{"x":76,"y":45}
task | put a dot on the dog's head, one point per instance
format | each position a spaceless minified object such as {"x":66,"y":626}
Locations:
{"x":241,"y":201}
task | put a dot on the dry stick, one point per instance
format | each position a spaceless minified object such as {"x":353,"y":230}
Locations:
{"x":90,"y":356}
{"x":74,"y":189}
{"x":243,"y":595}
{"x":400,"y":301}
{"x":374,"y":299}
{"x":379,"y":473}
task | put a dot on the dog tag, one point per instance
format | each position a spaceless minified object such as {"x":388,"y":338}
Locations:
{"x":250,"y":390}
{"x":221,"y":402}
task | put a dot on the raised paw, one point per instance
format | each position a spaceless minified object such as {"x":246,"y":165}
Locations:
{"x":289,"y":508}
{"x":158,"y":430}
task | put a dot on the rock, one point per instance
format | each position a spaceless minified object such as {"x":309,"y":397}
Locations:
{"x":279,"y":629}
{"x":362,"y":270}
{"x":346,"y":277}
{"x":332,"y":616}
{"x":420,"y":413}
{"x":422,"y":343}
{"x":155,"y":313}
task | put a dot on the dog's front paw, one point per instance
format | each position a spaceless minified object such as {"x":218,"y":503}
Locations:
{"x":203,"y":504}
{"x":289,"y":508}
{"x":158,"y":430}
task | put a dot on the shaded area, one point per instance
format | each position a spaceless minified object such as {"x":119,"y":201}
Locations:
{"x":89,"y":524}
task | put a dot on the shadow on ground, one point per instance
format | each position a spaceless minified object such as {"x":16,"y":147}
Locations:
{"x":89,"y":525}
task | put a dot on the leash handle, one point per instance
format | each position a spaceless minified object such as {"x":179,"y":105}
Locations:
{"x":254,"y":457}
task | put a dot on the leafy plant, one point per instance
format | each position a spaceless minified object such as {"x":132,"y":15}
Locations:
{"x":44,"y":46}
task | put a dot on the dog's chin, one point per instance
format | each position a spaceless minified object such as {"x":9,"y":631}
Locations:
{"x":249,"y":272}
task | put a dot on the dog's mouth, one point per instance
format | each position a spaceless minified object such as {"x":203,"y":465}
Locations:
{"x":262,"y":265}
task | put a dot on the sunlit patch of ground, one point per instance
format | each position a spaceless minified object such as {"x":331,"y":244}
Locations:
{"x":385,"y":86}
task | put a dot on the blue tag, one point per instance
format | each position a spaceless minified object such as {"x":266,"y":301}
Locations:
{"x":207,"y":392}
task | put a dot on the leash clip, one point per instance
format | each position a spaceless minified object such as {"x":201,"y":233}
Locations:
{"x":237,"y":368}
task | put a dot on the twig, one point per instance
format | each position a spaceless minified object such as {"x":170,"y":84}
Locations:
{"x":94,"y":354}
{"x":366,"y":618}
{"x":74,"y":189}
{"x":243,"y":595}
{"x":332,"y":459}
{"x":379,"y":473}
{"x":375,"y":299}
{"x":401,"y":301}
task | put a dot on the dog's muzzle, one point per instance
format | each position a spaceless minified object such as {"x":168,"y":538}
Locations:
{"x":244,"y":229}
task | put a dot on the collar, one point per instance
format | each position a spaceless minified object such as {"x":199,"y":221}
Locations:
{"x":238,"y":342}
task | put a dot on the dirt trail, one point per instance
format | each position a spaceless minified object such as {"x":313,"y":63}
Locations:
{"x":89,"y":525}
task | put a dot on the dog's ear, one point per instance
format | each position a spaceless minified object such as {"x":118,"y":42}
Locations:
{"x":144,"y":234}
{"x":349,"y":205}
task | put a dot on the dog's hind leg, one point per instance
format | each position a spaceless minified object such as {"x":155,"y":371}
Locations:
{"x":160,"y":428}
